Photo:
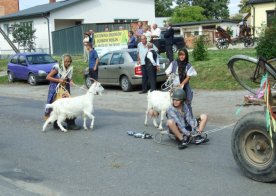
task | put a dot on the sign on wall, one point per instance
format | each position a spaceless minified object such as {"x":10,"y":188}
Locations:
{"x":108,"y":41}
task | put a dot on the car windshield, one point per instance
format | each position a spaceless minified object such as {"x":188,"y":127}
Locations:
{"x":133,"y":55}
{"x":40,"y":59}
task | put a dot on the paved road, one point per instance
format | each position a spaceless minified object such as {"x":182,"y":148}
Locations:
{"x":106,"y":161}
{"x":221,"y":106}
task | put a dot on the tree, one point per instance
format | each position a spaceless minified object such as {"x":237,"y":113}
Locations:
{"x":200,"y":52}
{"x":244,"y":8}
{"x":24,"y":36}
{"x":215,"y":9}
{"x":163,"y":8}
{"x":267,"y":42}
{"x":237,"y":16}
{"x":187,"y":14}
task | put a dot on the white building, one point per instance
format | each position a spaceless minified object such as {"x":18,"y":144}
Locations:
{"x":53,"y":16}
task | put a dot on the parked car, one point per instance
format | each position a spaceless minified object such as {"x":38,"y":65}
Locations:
{"x":120,"y":68}
{"x":32,"y":67}
{"x":178,"y":42}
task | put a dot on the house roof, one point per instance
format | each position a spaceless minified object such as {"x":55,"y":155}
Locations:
{"x":205,"y":22}
{"x":38,"y":11}
{"x":259,"y":1}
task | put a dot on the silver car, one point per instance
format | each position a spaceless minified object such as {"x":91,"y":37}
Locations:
{"x":120,"y":68}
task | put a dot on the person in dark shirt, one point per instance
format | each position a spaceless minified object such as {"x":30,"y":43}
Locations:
{"x":93,"y":61}
{"x":131,"y":40}
{"x":169,"y":34}
{"x":152,"y":65}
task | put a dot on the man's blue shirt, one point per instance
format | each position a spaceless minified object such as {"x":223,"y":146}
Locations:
{"x":93,"y":55}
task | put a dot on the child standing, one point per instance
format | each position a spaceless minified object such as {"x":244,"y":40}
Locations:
{"x":183,"y":71}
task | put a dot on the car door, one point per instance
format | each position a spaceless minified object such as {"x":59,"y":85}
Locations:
{"x":13,"y":66}
{"x":22,"y":68}
{"x":103,"y":64}
{"x":114,"y":70}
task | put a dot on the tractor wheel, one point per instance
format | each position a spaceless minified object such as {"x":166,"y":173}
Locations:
{"x":253,"y":148}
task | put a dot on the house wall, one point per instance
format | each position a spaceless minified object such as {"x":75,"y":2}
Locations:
{"x":190,"y":33}
{"x":89,"y":11}
{"x":93,"y":11}
{"x":259,"y":17}
{"x":8,"y":7}
{"x":41,"y":27}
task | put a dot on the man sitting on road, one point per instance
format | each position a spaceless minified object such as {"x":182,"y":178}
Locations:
{"x":182,"y":124}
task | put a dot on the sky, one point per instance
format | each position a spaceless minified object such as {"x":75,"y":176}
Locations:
{"x":23,"y":4}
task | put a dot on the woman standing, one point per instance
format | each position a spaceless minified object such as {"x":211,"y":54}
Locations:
{"x":183,"y":71}
{"x":60,"y":78}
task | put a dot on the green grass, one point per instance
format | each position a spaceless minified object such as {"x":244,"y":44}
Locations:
{"x":213,"y":74}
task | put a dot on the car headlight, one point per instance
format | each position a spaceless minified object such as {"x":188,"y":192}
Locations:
{"x":42,"y":73}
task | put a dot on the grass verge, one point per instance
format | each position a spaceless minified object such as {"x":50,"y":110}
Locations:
{"x":213,"y":74}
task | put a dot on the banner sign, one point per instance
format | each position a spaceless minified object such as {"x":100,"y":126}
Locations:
{"x":108,"y":41}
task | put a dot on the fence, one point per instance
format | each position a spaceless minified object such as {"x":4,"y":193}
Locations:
{"x":69,"y":40}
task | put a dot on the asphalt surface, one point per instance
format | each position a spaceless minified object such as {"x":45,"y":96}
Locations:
{"x":106,"y":161}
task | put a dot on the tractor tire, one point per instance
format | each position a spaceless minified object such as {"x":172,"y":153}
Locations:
{"x":253,"y":149}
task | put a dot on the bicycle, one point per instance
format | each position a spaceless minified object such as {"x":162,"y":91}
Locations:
{"x":253,"y":138}
{"x":240,"y":67}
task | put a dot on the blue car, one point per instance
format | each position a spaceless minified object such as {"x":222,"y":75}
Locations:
{"x":32,"y":67}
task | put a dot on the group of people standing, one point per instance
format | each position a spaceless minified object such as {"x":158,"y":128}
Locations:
{"x":153,"y":34}
{"x":147,"y":46}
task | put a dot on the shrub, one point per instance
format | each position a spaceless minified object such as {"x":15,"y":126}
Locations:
{"x":267,"y":42}
{"x":200,"y":52}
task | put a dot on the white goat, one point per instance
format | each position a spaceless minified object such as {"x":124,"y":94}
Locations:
{"x":159,"y":102}
{"x":74,"y":106}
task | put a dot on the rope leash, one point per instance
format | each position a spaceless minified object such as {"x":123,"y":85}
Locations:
{"x":159,"y":136}
{"x":169,"y":83}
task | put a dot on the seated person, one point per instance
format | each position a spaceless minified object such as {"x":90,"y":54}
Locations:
{"x":182,"y":124}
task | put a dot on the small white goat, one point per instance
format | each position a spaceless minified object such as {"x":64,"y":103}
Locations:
{"x":74,"y":106}
{"x":159,"y":102}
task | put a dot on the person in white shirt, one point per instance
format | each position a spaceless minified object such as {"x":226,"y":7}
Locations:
{"x":147,"y":33}
{"x":85,"y":41}
{"x":155,"y":35}
{"x":152,"y":66}
{"x":155,"y":31}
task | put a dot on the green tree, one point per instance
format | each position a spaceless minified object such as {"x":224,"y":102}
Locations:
{"x":187,"y":14}
{"x":163,"y":8}
{"x":200,"y":52}
{"x":244,"y":8}
{"x":267,"y":42}
{"x":24,"y":36}
{"x":237,"y":16}
{"x":215,"y":9}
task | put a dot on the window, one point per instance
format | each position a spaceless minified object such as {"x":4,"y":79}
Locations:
{"x":117,"y":58}
{"x":6,"y":28}
{"x":14,"y":59}
{"x":271,"y":17}
{"x":28,"y":24}
{"x":22,"y":60}
{"x":105,"y":59}
{"x":125,"y":20}
{"x":134,"y":55}
{"x":40,"y":59}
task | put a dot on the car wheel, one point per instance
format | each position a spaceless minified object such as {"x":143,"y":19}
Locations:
{"x":175,"y":49}
{"x":125,"y":84}
{"x":88,"y":82}
{"x":32,"y":79}
{"x":10,"y":77}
